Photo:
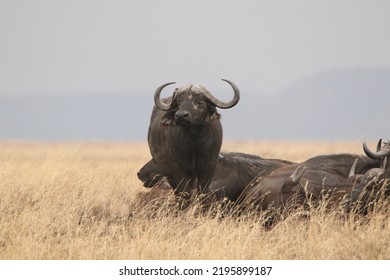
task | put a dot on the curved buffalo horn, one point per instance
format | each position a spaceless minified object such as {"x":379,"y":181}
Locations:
{"x":296,"y":176}
{"x":383,"y":163}
{"x":157,"y":100}
{"x":379,"y":145}
{"x":382,"y":153}
{"x":352,"y":172}
{"x":221,"y":104}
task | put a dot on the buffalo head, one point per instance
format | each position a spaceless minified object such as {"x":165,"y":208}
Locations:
{"x":192,"y":104}
{"x":150,"y":175}
{"x":381,"y":152}
{"x":374,"y":183}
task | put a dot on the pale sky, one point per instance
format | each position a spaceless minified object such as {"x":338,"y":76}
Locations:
{"x":87,"y":47}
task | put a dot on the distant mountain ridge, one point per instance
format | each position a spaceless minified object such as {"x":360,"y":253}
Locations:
{"x":343,"y":104}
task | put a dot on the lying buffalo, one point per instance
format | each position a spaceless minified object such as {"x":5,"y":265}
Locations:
{"x":185,"y":135}
{"x":318,"y":177}
{"x":233,"y":173}
{"x":375,"y":183}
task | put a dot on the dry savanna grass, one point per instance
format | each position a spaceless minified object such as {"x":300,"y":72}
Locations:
{"x":84,"y":201}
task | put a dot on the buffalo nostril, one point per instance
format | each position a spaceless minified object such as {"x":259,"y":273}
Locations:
{"x":182,"y":115}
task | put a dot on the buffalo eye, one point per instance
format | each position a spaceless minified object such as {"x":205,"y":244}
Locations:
{"x":199,"y":104}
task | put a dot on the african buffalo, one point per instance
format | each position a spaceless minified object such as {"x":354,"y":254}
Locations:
{"x":375,"y":183}
{"x":234,"y":171}
{"x":314,"y":179}
{"x":185,"y":135}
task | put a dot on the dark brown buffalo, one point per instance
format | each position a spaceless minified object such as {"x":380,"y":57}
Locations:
{"x":317,"y":178}
{"x":234,"y":171}
{"x":375,"y":183}
{"x":185,"y":135}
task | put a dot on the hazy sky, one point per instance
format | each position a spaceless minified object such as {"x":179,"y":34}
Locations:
{"x":77,"y":47}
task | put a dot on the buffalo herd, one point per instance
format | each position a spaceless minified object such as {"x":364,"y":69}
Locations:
{"x":185,"y":138}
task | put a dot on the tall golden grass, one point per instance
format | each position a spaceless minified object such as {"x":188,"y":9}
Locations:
{"x":84,"y":201}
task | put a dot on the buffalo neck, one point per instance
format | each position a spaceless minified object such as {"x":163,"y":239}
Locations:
{"x":198,"y":134}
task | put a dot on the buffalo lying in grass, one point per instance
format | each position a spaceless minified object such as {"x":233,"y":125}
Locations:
{"x":338,"y":178}
{"x":233,"y":173}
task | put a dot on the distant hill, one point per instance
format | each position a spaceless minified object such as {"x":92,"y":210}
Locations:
{"x":349,"y":104}
{"x":345,"y":104}
{"x":85,"y":117}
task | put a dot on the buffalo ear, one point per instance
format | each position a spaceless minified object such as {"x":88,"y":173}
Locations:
{"x":167,"y":119}
{"x":212,"y":116}
{"x":212,"y":113}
